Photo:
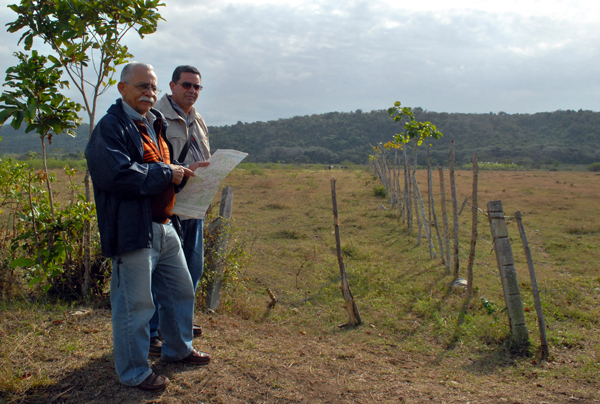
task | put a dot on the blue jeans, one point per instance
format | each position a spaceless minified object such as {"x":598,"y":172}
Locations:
{"x":193,"y":249}
{"x":137,"y":276}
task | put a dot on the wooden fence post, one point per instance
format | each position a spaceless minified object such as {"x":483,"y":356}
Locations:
{"x":219,"y":236}
{"x":455,"y":259}
{"x":407,"y":189}
{"x":508,"y":274}
{"x":445,"y":219}
{"x":434,"y":216}
{"x":432,"y":254}
{"x":534,"y":287}
{"x":353,"y":315}
{"x":397,"y":183}
{"x":473,"y":230}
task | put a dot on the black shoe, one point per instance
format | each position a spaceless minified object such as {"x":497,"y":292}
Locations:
{"x":197,"y":358}
{"x":154,"y":382}
{"x":155,"y":346}
{"x":197,"y":330}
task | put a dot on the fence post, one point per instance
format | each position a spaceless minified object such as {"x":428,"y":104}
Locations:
{"x":473,"y":229}
{"x":353,"y":315}
{"x":508,"y":274}
{"x":445,"y":219}
{"x":407,"y":189}
{"x":534,"y":287}
{"x":219,"y":236}
{"x":455,"y":259}
{"x":435,"y":222}
{"x":432,"y":254}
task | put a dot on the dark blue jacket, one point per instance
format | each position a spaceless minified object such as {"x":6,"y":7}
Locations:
{"x":123,"y":183}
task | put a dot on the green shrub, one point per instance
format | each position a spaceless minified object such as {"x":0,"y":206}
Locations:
{"x":594,"y":167}
{"x":45,"y":248}
{"x":379,"y":190}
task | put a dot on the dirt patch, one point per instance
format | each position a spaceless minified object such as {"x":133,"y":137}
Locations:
{"x":266,"y":362}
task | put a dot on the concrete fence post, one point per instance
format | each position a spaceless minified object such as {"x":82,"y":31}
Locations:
{"x":508,"y":274}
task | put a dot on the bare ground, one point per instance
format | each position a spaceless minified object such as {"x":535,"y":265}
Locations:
{"x":266,"y":362}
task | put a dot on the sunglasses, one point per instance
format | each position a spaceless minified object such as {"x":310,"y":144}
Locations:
{"x":187,"y":85}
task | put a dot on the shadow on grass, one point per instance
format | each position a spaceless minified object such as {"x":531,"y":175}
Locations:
{"x":501,"y":354}
{"x":95,"y":382}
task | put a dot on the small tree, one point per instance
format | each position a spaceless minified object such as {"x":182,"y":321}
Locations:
{"x":35,"y":99}
{"x":413,"y":129}
{"x":418,"y":132}
{"x":87,"y":36}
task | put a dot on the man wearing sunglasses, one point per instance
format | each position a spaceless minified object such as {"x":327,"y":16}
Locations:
{"x":188,"y":136}
{"x":135,"y":182}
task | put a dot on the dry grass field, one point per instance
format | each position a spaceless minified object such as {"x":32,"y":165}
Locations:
{"x":417,"y":343}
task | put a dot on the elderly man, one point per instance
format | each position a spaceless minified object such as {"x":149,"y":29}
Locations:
{"x":188,"y":135}
{"x":134,"y":187}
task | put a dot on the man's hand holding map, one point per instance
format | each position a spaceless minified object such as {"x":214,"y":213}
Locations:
{"x":193,"y":200}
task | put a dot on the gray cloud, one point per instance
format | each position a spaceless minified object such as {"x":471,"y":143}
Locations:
{"x":264,"y":62}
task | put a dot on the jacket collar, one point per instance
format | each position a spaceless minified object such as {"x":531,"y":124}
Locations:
{"x":164,"y":105}
{"x":117,"y":110}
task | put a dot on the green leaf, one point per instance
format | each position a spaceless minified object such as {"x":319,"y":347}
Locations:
{"x":54,"y":60}
{"x":22,"y":262}
{"x":7,"y":113}
{"x":28,"y":42}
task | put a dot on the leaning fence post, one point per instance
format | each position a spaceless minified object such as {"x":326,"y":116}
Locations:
{"x":353,"y":315}
{"x":534,"y":287}
{"x":219,"y":235}
{"x":508,"y":274}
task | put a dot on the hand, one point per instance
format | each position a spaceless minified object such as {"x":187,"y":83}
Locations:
{"x":197,"y":164}
{"x":179,"y":172}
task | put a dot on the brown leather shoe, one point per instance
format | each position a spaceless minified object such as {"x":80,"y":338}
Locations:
{"x":155,"y":346}
{"x":154,"y":382}
{"x":197,"y":358}
{"x":197,"y":330}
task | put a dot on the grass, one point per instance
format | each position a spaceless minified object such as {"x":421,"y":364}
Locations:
{"x":397,"y":287}
{"x":284,"y":215}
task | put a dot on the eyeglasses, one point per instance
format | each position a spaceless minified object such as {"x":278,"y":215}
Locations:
{"x":187,"y":85}
{"x":143,"y":87}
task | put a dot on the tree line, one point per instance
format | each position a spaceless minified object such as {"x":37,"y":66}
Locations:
{"x":530,"y":140}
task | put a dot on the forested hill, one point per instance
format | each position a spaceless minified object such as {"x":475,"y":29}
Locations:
{"x":563,"y":136}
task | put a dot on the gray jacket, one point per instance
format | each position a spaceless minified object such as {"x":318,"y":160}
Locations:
{"x":178,"y":132}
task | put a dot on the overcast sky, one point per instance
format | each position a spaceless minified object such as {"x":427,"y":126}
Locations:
{"x":264,"y":60}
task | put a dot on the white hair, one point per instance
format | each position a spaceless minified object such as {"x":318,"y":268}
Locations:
{"x":127,"y":71}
